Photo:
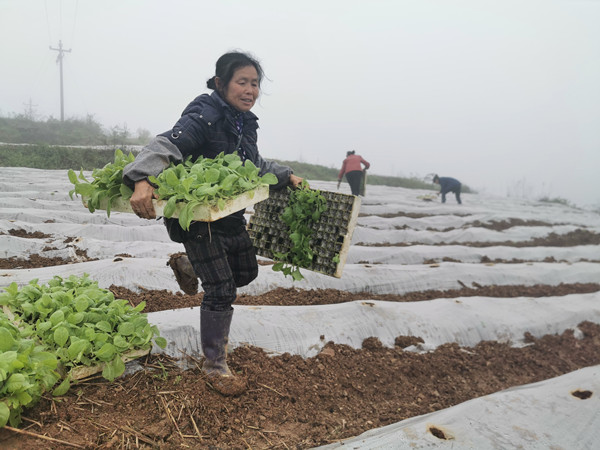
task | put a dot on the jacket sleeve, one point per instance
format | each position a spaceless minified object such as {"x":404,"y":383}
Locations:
{"x":365,"y":162}
{"x":171,"y":146}
{"x":280,"y":171}
{"x":152,"y":160}
{"x":445,"y":185}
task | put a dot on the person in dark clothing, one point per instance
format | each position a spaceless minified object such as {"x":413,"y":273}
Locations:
{"x":448,"y":184}
{"x":351,"y":167}
{"x":221,"y":253}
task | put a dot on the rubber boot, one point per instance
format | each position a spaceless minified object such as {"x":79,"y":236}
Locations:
{"x":214,"y":334}
{"x":184,"y":273}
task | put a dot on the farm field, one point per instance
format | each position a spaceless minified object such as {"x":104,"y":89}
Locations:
{"x":453,"y":326}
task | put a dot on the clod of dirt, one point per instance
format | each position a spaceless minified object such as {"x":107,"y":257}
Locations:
{"x":229,"y":386}
{"x":407,"y":341}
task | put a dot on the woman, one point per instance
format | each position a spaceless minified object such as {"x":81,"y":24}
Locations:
{"x":223,"y":256}
{"x":351,"y":167}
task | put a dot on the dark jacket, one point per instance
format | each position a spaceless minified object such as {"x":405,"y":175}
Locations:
{"x":207,"y":128}
{"x":448,"y":184}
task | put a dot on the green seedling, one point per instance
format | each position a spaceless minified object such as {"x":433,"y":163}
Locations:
{"x":305,"y":208}
{"x":27,"y":370}
{"x":206,"y":181}
{"x":107,"y":183}
{"x":71,"y":322}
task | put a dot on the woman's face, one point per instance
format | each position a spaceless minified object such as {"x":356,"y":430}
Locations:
{"x":242,"y":91}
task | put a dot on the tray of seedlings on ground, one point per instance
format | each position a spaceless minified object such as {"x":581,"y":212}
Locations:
{"x":63,"y":331}
{"x":305,"y":228}
{"x":206,"y":189}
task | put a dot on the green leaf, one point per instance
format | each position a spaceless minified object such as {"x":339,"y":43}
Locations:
{"x":212,"y":175}
{"x":103,"y":325}
{"x":169,"y":208}
{"x":61,"y":335}
{"x":77,"y":348}
{"x":106,"y":352}
{"x":228,"y":181}
{"x":7,"y":341}
{"x":45,"y":359}
{"x":100,"y":338}
{"x":7,"y":357}
{"x":16,"y":382}
{"x":120,"y":343}
{"x":24,"y":398}
{"x":126,"y":328}
{"x":249,"y":165}
{"x":4,"y":414}
{"x":62,"y":388}
{"x":125,"y":191}
{"x":269,"y":178}
{"x":234,"y":163}
{"x":57,"y":317}
{"x":89,"y":334}
{"x":73,"y":177}
{"x":75,"y":318}
{"x":296,"y":275}
{"x":113,"y":369}
{"x":171,"y":177}
{"x":161,"y":342}
{"x":81,"y":303}
{"x":85,"y":189}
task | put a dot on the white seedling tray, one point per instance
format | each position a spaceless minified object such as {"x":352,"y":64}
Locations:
{"x":202,"y":213}
{"x":82,"y":372}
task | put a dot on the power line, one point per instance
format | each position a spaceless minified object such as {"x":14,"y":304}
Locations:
{"x":47,"y":21}
{"x":74,"y":20}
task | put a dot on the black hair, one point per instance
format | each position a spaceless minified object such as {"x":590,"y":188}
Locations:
{"x":436,"y":178}
{"x":228,"y":63}
{"x":350,"y":152}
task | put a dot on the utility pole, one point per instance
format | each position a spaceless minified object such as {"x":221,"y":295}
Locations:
{"x":59,"y":60}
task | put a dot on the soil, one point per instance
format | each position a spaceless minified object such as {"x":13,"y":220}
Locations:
{"x":159,"y":300}
{"x":577,"y":237}
{"x":293,"y":402}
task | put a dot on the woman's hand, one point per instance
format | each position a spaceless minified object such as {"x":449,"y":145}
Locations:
{"x":141,"y":200}
{"x":295,"y":181}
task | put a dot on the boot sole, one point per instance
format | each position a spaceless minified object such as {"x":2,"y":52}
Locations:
{"x":188,"y":284}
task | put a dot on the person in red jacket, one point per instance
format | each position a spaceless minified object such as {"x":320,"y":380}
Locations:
{"x":351,"y":167}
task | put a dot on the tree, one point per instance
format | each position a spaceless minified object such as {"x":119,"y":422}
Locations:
{"x":144,"y":135}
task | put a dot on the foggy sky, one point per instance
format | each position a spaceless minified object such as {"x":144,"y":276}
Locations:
{"x":503,"y":95}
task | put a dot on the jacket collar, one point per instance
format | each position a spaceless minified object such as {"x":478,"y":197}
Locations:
{"x":230,"y":110}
